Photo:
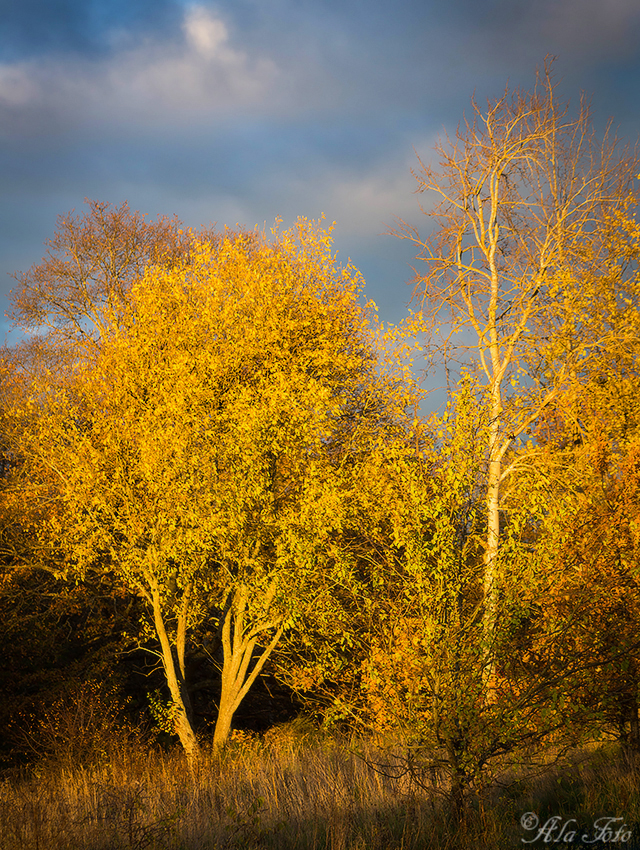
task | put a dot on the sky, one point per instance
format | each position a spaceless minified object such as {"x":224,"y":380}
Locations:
{"x":241,"y":111}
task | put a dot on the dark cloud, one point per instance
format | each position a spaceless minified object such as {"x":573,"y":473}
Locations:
{"x":242,"y":110}
{"x":513,"y":33}
{"x":33,"y":27}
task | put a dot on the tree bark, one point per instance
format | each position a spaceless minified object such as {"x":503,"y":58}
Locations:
{"x":175,"y":680}
{"x":238,"y":646}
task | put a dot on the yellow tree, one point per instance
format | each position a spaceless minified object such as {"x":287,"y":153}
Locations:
{"x":203,"y":452}
{"x":528,"y":204}
{"x":588,"y":452}
{"x":64,"y":304}
{"x":405,"y":634}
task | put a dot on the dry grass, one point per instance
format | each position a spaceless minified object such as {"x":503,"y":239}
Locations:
{"x":284,"y":791}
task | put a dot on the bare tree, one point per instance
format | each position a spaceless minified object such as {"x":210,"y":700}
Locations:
{"x":89,"y":268}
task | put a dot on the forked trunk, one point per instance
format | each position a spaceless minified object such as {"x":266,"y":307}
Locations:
{"x":238,"y":645}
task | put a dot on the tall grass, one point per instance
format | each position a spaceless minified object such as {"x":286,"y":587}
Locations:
{"x":288,"y":790}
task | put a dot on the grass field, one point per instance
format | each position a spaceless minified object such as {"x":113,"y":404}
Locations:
{"x":291,"y":789}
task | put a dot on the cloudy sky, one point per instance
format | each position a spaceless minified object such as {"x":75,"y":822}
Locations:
{"x":239,"y":111}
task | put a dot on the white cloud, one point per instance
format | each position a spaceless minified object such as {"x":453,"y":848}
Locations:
{"x":201,"y":73}
{"x":372,"y":201}
{"x":206,"y":72}
{"x":207,"y":34}
{"x":369,"y":203}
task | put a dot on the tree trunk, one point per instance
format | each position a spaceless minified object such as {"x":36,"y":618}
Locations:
{"x":175,"y":680}
{"x":494,"y":474}
{"x":492,"y":546}
{"x":238,"y":646}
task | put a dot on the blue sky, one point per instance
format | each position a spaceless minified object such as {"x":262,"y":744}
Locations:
{"x":238,"y":112}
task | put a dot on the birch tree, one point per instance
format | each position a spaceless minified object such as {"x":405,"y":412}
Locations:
{"x":526,"y":204}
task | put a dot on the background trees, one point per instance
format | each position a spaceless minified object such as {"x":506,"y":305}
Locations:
{"x":588,"y":455}
{"x":89,"y":268}
{"x":533,"y":262}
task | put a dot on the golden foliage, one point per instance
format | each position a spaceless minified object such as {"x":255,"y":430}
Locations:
{"x":204,"y":449}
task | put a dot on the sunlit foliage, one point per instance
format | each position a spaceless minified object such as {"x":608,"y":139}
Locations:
{"x":204,"y":450}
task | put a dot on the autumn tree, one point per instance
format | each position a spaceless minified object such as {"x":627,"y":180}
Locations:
{"x":71,"y":296}
{"x":401,"y":655}
{"x":203,"y":451}
{"x":528,"y":206}
{"x":64,"y":304}
{"x":588,"y":450}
